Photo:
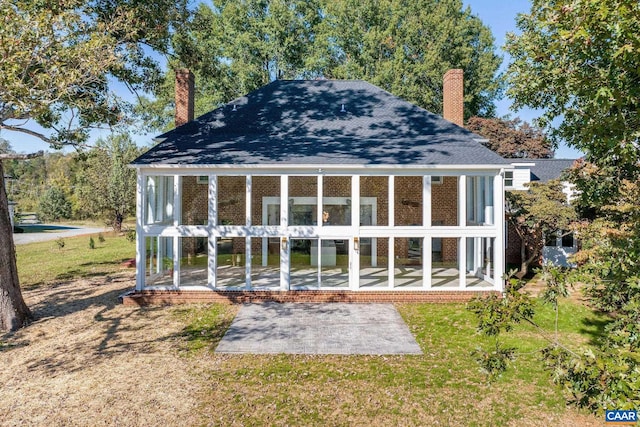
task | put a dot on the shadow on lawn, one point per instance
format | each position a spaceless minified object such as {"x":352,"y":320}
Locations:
{"x":594,"y":328}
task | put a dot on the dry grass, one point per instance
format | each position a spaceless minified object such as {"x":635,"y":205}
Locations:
{"x":87,"y":360}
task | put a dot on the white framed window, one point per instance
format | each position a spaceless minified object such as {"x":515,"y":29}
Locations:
{"x":436,"y":179}
{"x":508,"y":178}
{"x":204,"y":179}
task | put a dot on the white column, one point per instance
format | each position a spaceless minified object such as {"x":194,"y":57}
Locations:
{"x":177,"y":200}
{"x":392,"y":262}
{"x":284,"y":235}
{"x":212,"y":221}
{"x":247,"y":263}
{"x":427,"y":261}
{"x":176,"y":261}
{"x":319,"y":209}
{"x":140,"y":237}
{"x":392,"y":202}
{"x":462,"y":262}
{"x":478,"y":188}
{"x":426,"y":197}
{"x":354,"y":258}
{"x":462,"y":201}
{"x":248,"y":201}
{"x":499,"y":207}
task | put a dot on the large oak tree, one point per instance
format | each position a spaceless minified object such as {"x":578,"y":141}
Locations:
{"x":56,"y":62}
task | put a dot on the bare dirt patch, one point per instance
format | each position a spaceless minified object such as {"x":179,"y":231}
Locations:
{"x":87,"y":360}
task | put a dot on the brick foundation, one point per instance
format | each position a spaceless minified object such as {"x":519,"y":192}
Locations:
{"x":240,"y":297}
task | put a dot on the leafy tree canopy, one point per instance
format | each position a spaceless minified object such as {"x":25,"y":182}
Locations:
{"x":236,"y":46}
{"x":512,"y":139}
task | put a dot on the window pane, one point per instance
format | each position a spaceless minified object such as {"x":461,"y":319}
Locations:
{"x":408,"y":200}
{"x":265,"y":200}
{"x":304,"y":266}
{"x":231,"y":271}
{"x":336,"y":200}
{"x":194,"y":261}
{"x":159,"y":261}
{"x":444,"y":262}
{"x":303,"y":196}
{"x":444,"y":202}
{"x":567,"y":240}
{"x":374,"y":262}
{"x":232,"y":200}
{"x":408,"y":262}
{"x":195,"y":199}
{"x":158,"y":203}
{"x":334,"y":264}
{"x":374,"y":200}
{"x":265,"y":262}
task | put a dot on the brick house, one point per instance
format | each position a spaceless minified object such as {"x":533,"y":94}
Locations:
{"x":325,"y":185}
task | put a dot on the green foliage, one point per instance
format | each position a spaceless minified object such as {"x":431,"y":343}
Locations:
{"x":54,"y":205}
{"x":58,"y":58}
{"x":234,"y":47}
{"x":92,"y":243}
{"x":512,"y":139}
{"x":100,"y":238}
{"x":495,"y":362}
{"x":540,"y":210}
{"x":105,"y":186}
{"x":60,"y":242}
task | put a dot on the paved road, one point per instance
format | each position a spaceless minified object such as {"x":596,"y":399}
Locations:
{"x":332,"y":328}
{"x":44,"y":232}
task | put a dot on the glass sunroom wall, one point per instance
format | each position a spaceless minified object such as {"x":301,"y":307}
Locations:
{"x":444,"y":262}
{"x":159,"y":200}
{"x":479,"y":259}
{"x":194,"y":200}
{"x":194,"y":261}
{"x":336,"y":200}
{"x":334,"y":263}
{"x":374,"y":262}
{"x":232,"y":200}
{"x":265,"y":200}
{"x":304,"y":263}
{"x":408,"y":262}
{"x":303,"y":200}
{"x":265,"y":264}
{"x":479,"y":200}
{"x":376,"y":189}
{"x":408,"y":200}
{"x":444,"y":201}
{"x":158,"y":261}
{"x":231,"y":263}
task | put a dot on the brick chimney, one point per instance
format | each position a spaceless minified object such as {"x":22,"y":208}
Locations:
{"x":184,"y":96}
{"x":453,"y":96}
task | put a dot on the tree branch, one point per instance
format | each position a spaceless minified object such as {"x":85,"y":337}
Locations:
{"x":27,"y":131}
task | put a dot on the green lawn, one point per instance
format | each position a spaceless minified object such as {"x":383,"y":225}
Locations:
{"x":47,"y":262}
{"x":441,"y":387}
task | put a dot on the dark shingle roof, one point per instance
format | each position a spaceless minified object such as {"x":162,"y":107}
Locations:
{"x":548,"y":169}
{"x":301,"y":122}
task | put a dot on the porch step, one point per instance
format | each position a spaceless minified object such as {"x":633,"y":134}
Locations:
{"x":241,"y":297}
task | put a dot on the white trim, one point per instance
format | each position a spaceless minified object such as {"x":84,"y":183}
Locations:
{"x":141,"y":260}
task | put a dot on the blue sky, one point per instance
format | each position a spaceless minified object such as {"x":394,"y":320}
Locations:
{"x":499,"y":15}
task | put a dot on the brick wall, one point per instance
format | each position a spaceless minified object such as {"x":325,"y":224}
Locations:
{"x":407,"y":194}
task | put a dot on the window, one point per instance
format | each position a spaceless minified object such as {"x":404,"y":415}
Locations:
{"x":436,"y":179}
{"x":567,"y":240}
{"x":203,"y":179}
{"x":508,"y":178}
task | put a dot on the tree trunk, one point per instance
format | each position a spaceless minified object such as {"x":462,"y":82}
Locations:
{"x":524,"y":264}
{"x":14,"y":313}
{"x":117,"y":222}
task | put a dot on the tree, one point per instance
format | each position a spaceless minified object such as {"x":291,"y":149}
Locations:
{"x":106,"y":186}
{"x":580,"y":63}
{"x":540,"y":211}
{"x":234,"y":47}
{"x":54,"y":205}
{"x":56,"y":59}
{"x":512,"y":139}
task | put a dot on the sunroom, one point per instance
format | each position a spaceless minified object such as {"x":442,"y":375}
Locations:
{"x":319,"y":185}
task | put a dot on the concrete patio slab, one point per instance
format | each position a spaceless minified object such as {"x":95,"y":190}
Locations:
{"x":332,"y":328}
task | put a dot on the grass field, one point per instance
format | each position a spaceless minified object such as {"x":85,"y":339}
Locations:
{"x":86,"y":360}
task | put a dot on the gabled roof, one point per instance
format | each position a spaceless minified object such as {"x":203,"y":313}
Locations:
{"x":319,"y":122}
{"x":548,"y":169}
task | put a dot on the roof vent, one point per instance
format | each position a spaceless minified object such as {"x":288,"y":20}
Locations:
{"x":234,"y":108}
{"x":343,"y":110}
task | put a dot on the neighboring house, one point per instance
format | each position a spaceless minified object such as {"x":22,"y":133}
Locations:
{"x":325,"y":185}
{"x":559,"y":247}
